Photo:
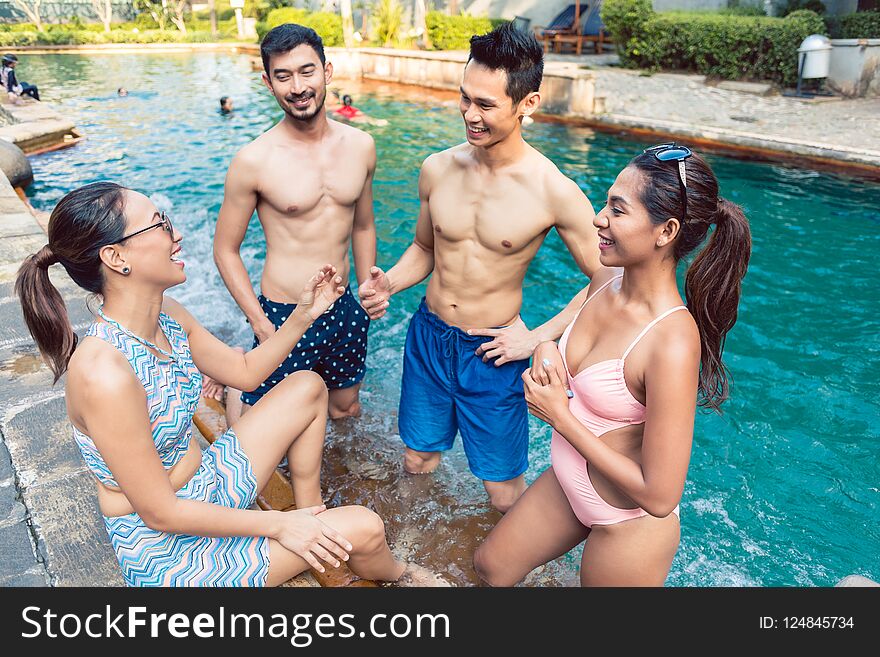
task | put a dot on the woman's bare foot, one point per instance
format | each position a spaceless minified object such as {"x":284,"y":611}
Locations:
{"x":416,"y":575}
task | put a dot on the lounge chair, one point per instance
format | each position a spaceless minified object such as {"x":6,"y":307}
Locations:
{"x":562,"y":24}
{"x":592,"y":30}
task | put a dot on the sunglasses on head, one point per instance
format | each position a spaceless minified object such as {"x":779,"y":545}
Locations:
{"x":674,"y":153}
{"x":164,"y":221}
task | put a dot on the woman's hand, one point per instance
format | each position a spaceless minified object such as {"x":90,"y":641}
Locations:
{"x":546,"y":402}
{"x":547,"y":353}
{"x":303,"y":533}
{"x":320,"y":291}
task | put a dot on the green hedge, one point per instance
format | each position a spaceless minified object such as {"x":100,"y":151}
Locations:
{"x":327,"y":24}
{"x":60,"y":35}
{"x":861,"y":25}
{"x":455,"y":32}
{"x":731,"y":47}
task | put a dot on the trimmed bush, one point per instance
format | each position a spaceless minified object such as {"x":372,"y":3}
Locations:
{"x":328,"y":25}
{"x":861,"y":25}
{"x":624,"y":19}
{"x":63,"y":35}
{"x":731,"y":47}
{"x":455,"y":32}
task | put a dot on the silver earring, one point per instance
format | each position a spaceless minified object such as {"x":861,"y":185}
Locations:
{"x":126,"y":270}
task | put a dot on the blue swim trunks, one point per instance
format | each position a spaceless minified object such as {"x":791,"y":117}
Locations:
{"x":447,"y":388}
{"x":335,"y":346}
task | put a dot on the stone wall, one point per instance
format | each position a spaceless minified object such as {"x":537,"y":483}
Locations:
{"x":566,"y":91}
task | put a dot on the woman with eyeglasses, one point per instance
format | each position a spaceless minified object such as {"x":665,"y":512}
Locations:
{"x":178,"y":516}
{"x":621,"y":388}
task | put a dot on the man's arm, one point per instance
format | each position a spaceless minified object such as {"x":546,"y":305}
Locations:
{"x":239,"y":203}
{"x":363,"y":234}
{"x":416,"y":262}
{"x":574,"y":223}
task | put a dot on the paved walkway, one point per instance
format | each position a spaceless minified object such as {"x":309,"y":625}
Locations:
{"x":837,"y":129}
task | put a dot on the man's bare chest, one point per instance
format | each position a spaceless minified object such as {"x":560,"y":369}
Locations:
{"x":504,"y":217}
{"x":297,"y":185}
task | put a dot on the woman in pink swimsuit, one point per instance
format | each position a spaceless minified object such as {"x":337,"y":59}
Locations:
{"x":621,"y":389}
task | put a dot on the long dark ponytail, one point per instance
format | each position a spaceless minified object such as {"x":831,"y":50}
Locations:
{"x":84,"y":220}
{"x":714,"y":279}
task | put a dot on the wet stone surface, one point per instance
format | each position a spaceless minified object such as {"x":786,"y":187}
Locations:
{"x":75,"y":541}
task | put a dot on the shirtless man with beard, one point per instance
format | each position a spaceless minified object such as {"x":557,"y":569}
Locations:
{"x":486,"y":207}
{"x":310,"y":181}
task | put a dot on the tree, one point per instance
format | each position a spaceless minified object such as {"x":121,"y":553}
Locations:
{"x":347,"y":23}
{"x":177,"y":17}
{"x":31,"y":8}
{"x":158,"y":9}
{"x":104,"y":11}
{"x":212,"y":9}
{"x":420,"y":13}
{"x":388,"y":17}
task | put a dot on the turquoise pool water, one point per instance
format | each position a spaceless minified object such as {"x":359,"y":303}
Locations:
{"x":783,"y":489}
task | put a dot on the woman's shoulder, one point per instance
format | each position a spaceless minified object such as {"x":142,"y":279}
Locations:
{"x":98,"y":365}
{"x":675,"y":340}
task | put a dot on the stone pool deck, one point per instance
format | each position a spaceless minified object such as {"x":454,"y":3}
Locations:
{"x":833,"y":132}
{"x":35,"y":127}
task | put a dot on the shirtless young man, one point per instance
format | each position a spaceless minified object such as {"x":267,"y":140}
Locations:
{"x":486,"y":207}
{"x":310,"y":181}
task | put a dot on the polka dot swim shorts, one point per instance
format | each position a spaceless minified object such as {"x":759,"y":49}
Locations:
{"x":335,"y":346}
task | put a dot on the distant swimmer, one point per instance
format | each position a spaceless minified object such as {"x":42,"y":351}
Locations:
{"x":349,"y":112}
{"x":226,"y":106}
{"x":122,"y":91}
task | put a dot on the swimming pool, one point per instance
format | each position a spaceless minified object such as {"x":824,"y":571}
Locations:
{"x":782,"y":489}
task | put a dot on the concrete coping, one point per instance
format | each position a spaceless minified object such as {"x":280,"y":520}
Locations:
{"x":460,"y":56}
{"x":849,"y":43}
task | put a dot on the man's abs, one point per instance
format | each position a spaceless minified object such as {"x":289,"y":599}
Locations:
{"x":472,"y":306}
{"x":297,"y":246}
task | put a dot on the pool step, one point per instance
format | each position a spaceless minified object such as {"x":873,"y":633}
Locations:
{"x":210,"y":419}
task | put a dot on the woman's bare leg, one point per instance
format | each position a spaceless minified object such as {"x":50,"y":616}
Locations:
{"x":631,"y":553}
{"x":539,"y":527}
{"x":370,"y":557}
{"x":290,"y":419}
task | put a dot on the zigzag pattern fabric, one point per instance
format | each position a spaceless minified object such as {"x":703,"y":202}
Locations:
{"x":173,"y":388}
{"x":152,"y":558}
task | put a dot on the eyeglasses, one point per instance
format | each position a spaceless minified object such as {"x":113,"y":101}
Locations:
{"x":165,"y":222}
{"x":675,"y":153}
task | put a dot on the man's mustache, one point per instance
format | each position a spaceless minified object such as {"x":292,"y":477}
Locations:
{"x":293,"y":99}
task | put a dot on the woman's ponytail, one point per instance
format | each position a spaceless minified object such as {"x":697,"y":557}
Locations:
{"x":712,"y":289}
{"x":84,"y":221}
{"x":44,"y":311}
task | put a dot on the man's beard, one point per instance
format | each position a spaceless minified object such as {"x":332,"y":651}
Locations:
{"x":303,"y":115}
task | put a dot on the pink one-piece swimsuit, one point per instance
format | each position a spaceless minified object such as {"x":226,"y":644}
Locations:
{"x":602,"y":402}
